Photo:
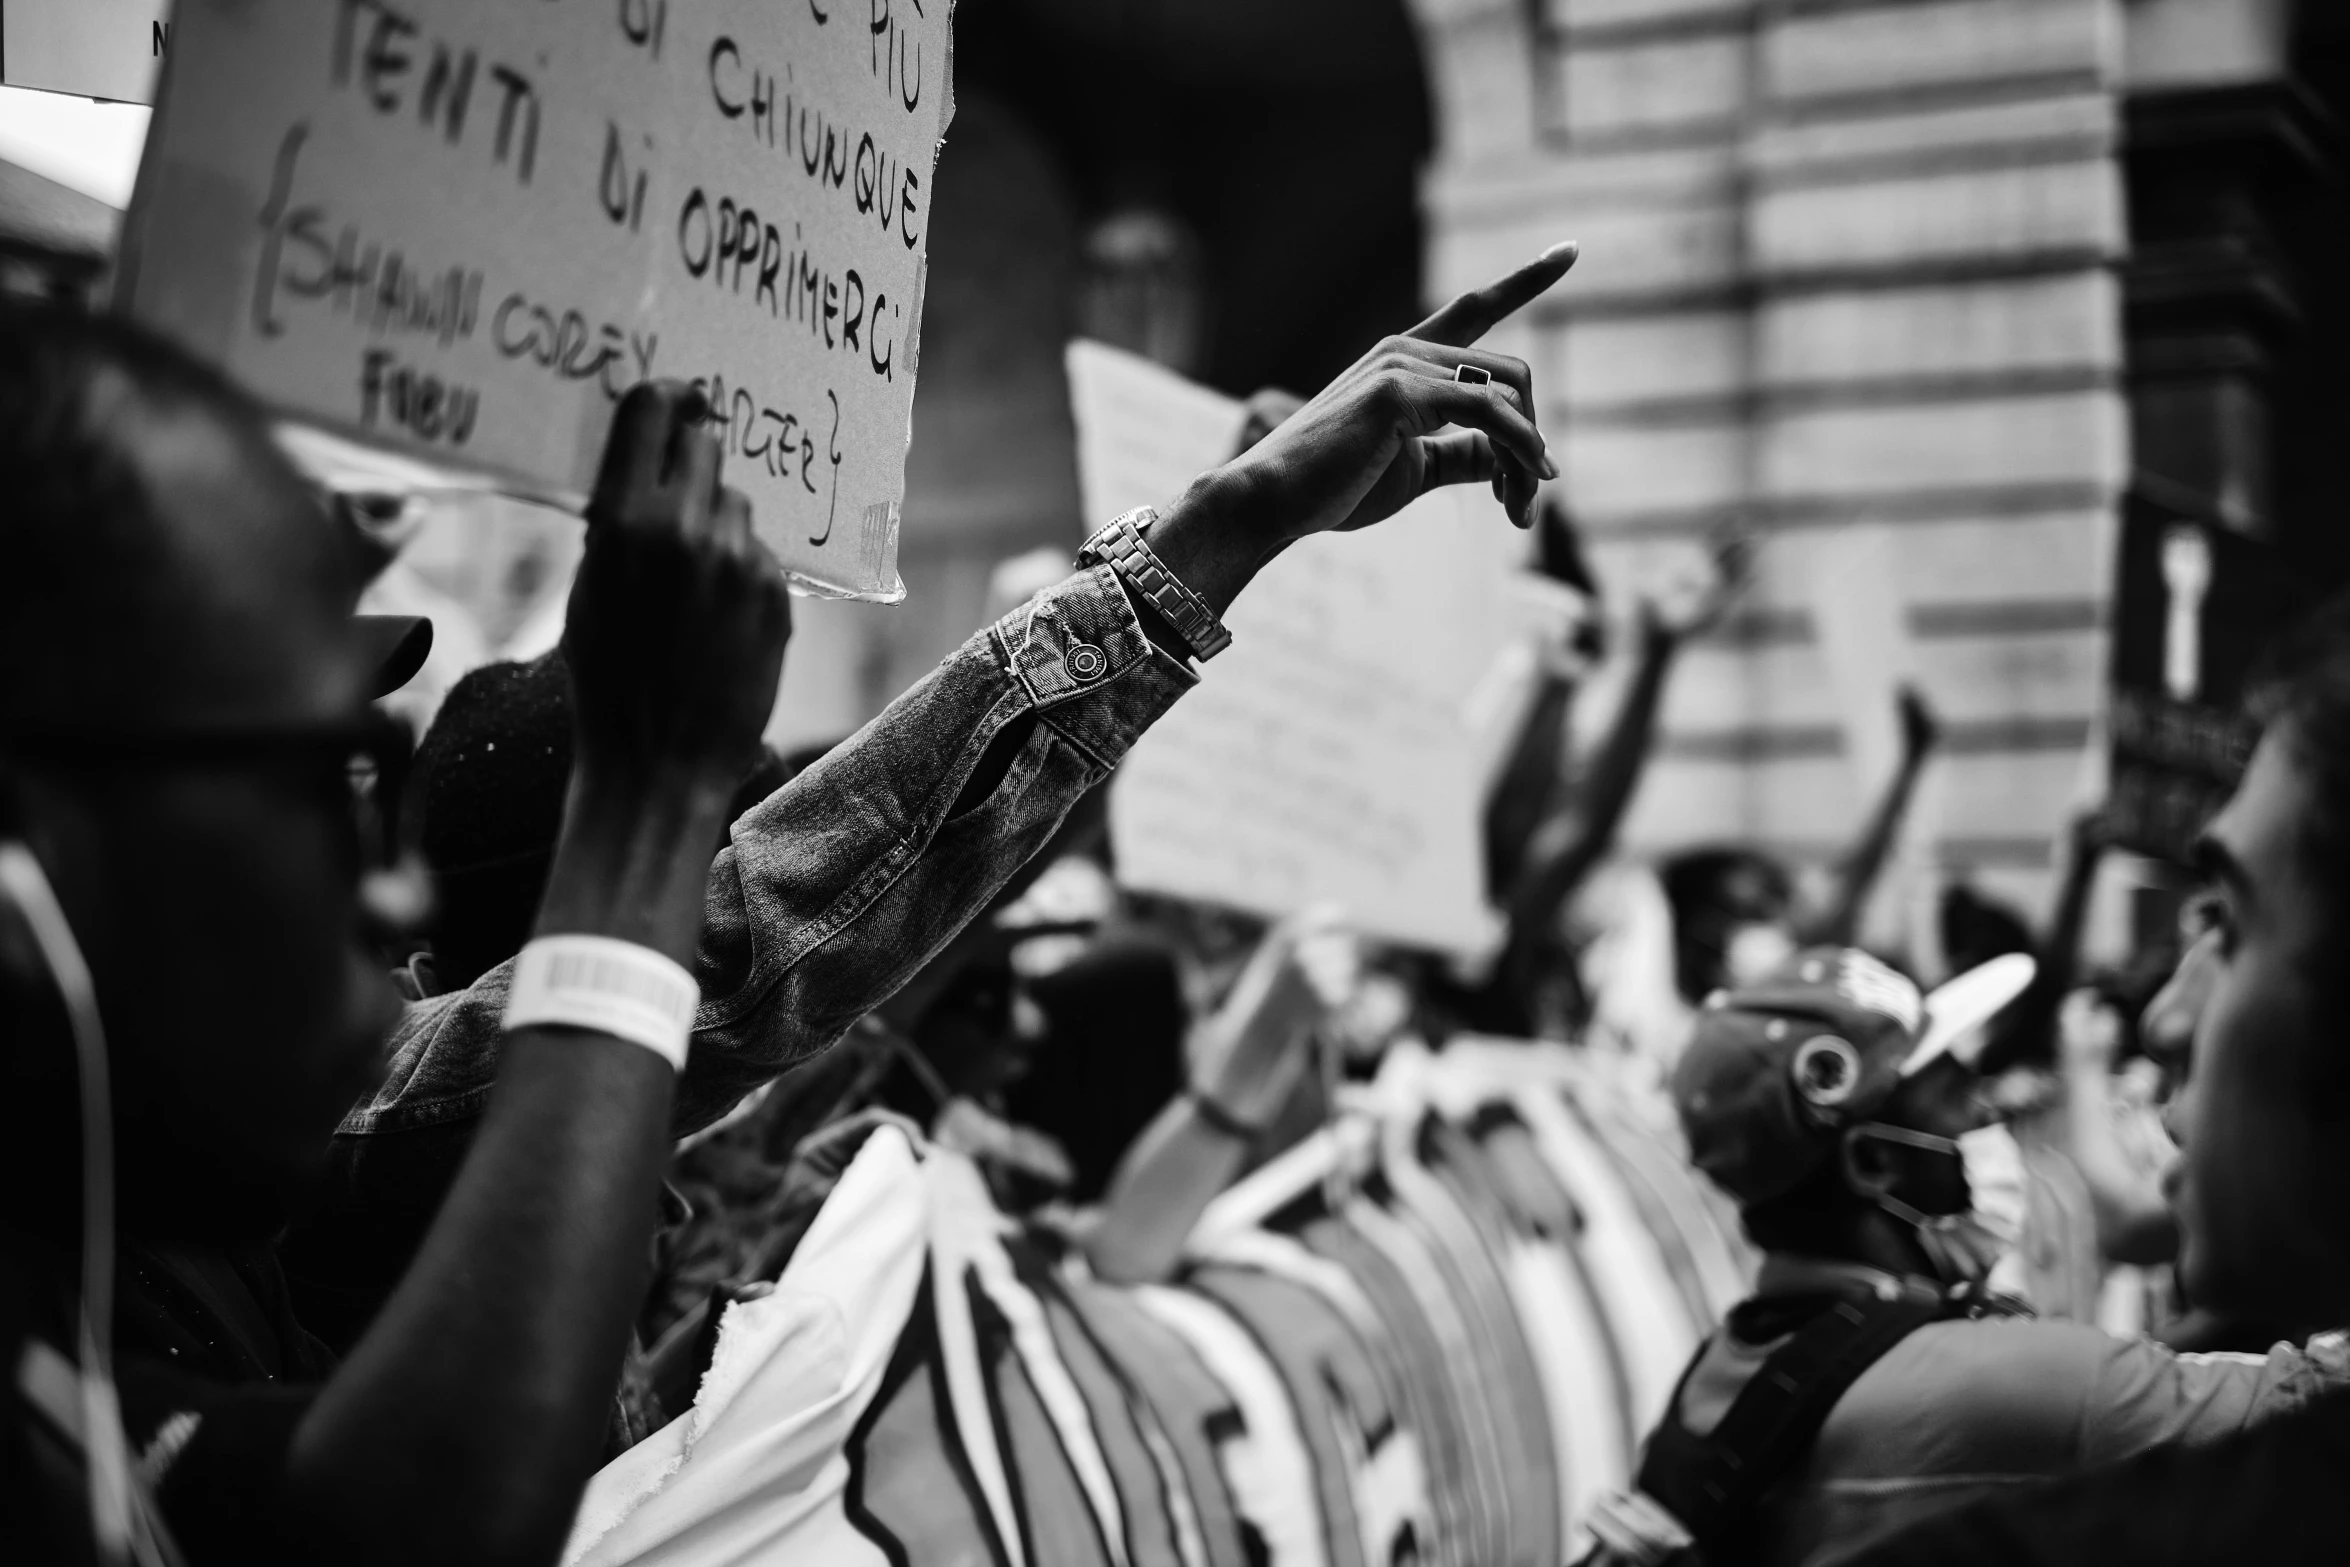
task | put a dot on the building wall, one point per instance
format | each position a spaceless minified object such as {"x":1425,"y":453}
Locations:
{"x":1848,"y":279}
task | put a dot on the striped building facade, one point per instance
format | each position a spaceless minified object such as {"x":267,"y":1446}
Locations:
{"x":1850,"y":279}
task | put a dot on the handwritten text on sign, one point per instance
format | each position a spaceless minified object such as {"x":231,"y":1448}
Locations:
{"x":463,"y":228}
{"x":1332,"y":754}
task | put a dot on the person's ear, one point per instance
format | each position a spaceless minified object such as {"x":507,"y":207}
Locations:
{"x":1869,"y":1165}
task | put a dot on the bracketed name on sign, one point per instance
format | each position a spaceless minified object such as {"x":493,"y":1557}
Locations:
{"x":462,"y":229}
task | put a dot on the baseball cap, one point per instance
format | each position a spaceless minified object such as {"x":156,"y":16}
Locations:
{"x":1777,"y":1071}
{"x":393,"y":647}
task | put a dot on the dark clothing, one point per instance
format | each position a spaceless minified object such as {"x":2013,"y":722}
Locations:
{"x":1112,"y":1058}
{"x":2276,"y":1495}
{"x":213,"y":1374}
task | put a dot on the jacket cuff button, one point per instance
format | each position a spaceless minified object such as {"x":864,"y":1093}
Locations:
{"x":1085,"y":662}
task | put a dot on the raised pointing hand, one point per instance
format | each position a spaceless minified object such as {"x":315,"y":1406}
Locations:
{"x":1399,"y":423}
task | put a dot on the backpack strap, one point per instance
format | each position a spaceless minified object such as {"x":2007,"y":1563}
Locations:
{"x":1713,"y":1483}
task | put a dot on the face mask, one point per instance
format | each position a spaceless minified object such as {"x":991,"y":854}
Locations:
{"x":1996,"y":1185}
{"x":1998,"y":1198}
{"x":1968,"y":1246}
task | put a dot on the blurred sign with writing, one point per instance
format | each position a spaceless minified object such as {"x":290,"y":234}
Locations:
{"x":461,"y":229}
{"x":2196,"y":606}
{"x":1332,"y":752}
{"x":89,"y":48}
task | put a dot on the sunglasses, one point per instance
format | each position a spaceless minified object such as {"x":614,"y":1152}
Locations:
{"x":357,"y":768}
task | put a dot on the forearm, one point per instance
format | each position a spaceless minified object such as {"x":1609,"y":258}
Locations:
{"x":1174,"y":1170}
{"x":1864,"y":862}
{"x":1530,"y":781}
{"x":484,"y":1382}
{"x":1573,"y":840}
{"x":2032,"y":1020}
{"x":844,"y":885}
{"x":904,"y":854}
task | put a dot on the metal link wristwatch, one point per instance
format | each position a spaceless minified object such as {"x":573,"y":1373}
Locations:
{"x":1123,"y":547}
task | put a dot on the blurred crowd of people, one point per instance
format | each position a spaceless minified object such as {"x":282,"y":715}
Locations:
{"x":302,"y":1263}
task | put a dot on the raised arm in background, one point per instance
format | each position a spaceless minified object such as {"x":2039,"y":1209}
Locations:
{"x":1857,"y":874}
{"x":2134,"y":1220}
{"x":2135,"y":1223}
{"x":2028,"y":1030}
{"x":1247,"y":1061}
{"x":1581,"y":831}
{"x":464,"y":1423}
{"x":1533,"y":778}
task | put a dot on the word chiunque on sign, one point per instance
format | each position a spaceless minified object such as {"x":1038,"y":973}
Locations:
{"x":461,"y":229}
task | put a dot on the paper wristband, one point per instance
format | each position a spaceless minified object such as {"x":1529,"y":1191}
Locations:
{"x":607,"y":986}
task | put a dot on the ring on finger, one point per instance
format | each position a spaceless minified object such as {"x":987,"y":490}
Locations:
{"x":1471,"y":375}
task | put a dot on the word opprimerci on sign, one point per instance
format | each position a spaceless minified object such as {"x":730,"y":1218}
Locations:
{"x":461,"y":231}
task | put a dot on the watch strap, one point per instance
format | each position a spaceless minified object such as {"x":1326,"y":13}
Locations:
{"x":1121,"y":545}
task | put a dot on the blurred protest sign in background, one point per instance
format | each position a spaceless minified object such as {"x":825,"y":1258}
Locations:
{"x":1330,"y":753}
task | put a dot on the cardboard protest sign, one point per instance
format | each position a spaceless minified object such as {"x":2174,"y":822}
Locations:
{"x":1330,"y":753}
{"x":89,"y":48}
{"x":461,"y":229}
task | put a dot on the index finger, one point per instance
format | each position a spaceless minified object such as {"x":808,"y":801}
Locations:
{"x":1477,"y":312}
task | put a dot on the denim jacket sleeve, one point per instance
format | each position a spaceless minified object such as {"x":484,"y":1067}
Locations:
{"x":839,"y":887}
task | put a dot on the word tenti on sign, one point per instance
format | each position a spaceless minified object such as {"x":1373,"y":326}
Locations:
{"x":460,"y":230}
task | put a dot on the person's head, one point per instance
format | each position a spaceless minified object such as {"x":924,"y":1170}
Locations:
{"x":1733,"y":918}
{"x":486,"y":805}
{"x":1827,"y":1102}
{"x":1111,"y":1056}
{"x":2263,"y":1115}
{"x":181,"y":687}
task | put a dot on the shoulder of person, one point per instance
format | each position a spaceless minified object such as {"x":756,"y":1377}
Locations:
{"x":1988,"y":1395}
{"x":2020,"y":1347}
{"x":2150,"y":1396}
